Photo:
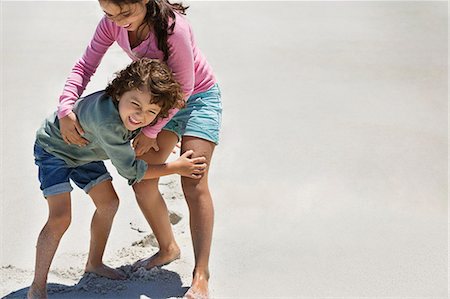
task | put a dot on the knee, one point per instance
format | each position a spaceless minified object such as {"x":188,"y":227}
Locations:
{"x":194,"y":189}
{"x":145,"y":189}
{"x":59,"y":223}
{"x":109,"y":208}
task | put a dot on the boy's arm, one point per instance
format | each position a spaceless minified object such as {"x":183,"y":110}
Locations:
{"x":124,"y":159}
{"x":120,"y":152}
{"x":185,"y":165}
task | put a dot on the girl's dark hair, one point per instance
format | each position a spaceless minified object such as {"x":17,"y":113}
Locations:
{"x":153,"y":75}
{"x":159,"y":12}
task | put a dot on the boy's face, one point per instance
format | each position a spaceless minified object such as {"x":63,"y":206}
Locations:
{"x":135,"y":109}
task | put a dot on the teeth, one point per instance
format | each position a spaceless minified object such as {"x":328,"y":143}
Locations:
{"x":133,"y":121}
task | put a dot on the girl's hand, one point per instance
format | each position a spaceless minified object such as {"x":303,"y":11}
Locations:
{"x":143,"y":144}
{"x":190,"y":167}
{"x":71,"y":130}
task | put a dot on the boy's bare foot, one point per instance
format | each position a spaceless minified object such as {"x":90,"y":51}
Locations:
{"x":36,"y":293}
{"x":199,"y":288}
{"x":159,"y":259}
{"x":106,"y":271}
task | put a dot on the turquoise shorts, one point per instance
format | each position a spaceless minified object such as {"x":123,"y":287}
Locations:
{"x":201,"y":117}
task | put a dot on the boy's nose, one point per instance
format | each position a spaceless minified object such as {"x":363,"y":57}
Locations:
{"x":138,"y":115}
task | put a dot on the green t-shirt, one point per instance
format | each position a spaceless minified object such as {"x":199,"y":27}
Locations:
{"x":108,"y":137}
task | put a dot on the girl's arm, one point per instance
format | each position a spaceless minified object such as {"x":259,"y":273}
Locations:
{"x":86,"y":66}
{"x":181,"y":63}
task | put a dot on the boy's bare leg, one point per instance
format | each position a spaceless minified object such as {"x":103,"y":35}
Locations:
{"x":154,"y":208}
{"x":58,"y":221}
{"x":107,"y":202}
{"x":201,"y":211}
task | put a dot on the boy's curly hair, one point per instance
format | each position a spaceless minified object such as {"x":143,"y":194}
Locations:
{"x":156,"y":77}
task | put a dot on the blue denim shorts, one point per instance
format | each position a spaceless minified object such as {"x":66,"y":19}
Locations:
{"x":54,"y":173}
{"x":201,"y":117}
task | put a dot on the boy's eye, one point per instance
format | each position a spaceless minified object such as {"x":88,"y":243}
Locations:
{"x":126,"y":14}
{"x":135,"y":104}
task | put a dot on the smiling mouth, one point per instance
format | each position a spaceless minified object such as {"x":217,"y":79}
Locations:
{"x":126,"y":26}
{"x":133,"y":121}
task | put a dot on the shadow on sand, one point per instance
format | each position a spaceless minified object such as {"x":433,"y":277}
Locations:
{"x":156,"y":284}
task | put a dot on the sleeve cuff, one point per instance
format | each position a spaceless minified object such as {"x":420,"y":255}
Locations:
{"x":62,"y":113}
{"x":142,"y":169}
{"x":150,"y":133}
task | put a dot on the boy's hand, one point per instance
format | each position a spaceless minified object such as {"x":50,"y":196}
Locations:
{"x":177,"y":146}
{"x":71,"y":130}
{"x":143,"y":144}
{"x":190,"y":167}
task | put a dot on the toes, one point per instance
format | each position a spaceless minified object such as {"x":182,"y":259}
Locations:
{"x":190,"y":294}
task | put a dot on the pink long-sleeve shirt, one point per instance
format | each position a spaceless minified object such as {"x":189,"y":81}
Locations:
{"x":187,"y":63}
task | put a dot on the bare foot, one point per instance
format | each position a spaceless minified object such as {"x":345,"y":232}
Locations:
{"x":36,"y":293}
{"x":199,"y":288}
{"x":106,"y":271}
{"x":159,"y":259}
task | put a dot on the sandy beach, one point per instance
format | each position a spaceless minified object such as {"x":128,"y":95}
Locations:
{"x":331,"y":177}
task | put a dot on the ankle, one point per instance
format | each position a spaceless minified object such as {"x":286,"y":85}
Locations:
{"x":93,"y":264}
{"x":37,"y":290}
{"x":172,"y":248}
{"x":38,"y":285}
{"x":200,"y":274}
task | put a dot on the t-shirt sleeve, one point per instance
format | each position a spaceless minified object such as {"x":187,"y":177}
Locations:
{"x":86,"y":66}
{"x":121,"y":153}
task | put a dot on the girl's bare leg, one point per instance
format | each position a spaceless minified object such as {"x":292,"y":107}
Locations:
{"x":107,"y":202}
{"x":154,"y":208}
{"x":58,"y":221}
{"x":201,"y":211}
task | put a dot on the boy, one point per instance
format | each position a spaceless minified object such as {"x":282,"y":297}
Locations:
{"x":138,"y":96}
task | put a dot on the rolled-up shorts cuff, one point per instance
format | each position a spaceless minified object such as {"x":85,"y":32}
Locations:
{"x":100,"y":179}
{"x":197,"y":134}
{"x":57,"y":189}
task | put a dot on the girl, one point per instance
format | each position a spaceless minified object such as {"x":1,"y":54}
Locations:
{"x":157,"y":29}
{"x":140,"y":94}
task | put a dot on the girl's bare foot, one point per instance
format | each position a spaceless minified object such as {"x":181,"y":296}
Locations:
{"x":159,"y":259}
{"x":106,"y":271}
{"x":199,"y":287}
{"x":37,"y":293}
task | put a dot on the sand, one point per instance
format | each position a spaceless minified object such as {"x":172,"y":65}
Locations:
{"x":68,"y":280}
{"x":331,"y":178}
